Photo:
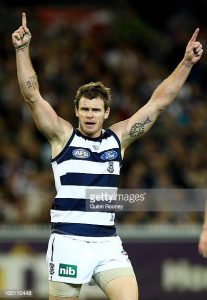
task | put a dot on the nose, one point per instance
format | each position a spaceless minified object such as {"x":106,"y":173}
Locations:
{"x":90,"y":114}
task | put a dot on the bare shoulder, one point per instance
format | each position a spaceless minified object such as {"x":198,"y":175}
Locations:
{"x":118,"y":128}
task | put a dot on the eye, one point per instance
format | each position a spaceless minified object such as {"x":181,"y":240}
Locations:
{"x":96,"y":109}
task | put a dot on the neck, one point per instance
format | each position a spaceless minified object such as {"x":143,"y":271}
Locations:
{"x":90,"y":135}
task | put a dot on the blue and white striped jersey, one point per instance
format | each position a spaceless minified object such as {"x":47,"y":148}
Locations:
{"x":85,"y":163}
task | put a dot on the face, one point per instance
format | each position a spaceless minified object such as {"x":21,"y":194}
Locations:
{"x":91,"y":115}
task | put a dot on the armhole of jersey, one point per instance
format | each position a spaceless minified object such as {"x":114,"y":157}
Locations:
{"x":62,"y":151}
{"x":118,"y":141}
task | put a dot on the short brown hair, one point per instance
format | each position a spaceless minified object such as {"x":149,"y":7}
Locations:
{"x":93,"y":90}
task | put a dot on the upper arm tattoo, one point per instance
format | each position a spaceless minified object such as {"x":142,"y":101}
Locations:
{"x":32,"y":82}
{"x":138,"y":128}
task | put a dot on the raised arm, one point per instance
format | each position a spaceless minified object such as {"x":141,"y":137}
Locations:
{"x":137,"y":125}
{"x":55,"y":129}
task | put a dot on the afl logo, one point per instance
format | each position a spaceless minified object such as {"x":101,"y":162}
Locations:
{"x":81,"y":153}
{"x":109,"y":155}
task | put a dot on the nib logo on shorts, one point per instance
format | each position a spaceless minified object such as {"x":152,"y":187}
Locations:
{"x":67,"y":270}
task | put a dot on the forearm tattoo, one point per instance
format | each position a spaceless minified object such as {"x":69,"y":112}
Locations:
{"x":138,"y":128}
{"x":32,"y":82}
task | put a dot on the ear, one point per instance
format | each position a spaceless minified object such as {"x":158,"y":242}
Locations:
{"x":76,"y":112}
{"x":106,"y":114}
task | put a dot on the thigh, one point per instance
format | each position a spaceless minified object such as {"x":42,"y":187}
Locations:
{"x":105,"y":277}
{"x":62,"y":290}
{"x":122,"y":288}
{"x":114,"y":274}
{"x":62,"y":298}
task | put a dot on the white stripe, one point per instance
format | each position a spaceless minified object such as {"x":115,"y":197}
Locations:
{"x":80,"y":192}
{"x":84,"y":166}
{"x":56,"y":175}
{"x":104,"y":145}
{"x":94,"y":218}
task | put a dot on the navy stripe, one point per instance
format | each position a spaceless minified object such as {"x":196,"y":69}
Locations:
{"x":73,"y":204}
{"x":104,"y":135}
{"x":69,"y":204}
{"x":83,"y":229}
{"x":93,"y":156}
{"x":82,"y":179}
{"x":52,"y":249}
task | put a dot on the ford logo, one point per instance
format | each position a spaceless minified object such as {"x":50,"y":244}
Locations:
{"x":81,"y":153}
{"x":109,"y":155}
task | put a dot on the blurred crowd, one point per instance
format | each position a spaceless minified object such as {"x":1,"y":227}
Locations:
{"x":71,"y":47}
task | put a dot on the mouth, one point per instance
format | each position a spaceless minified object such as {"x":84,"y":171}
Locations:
{"x":90,"y":124}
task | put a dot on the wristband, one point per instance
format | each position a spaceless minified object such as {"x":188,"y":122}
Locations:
{"x":22,"y":46}
{"x":28,"y":34}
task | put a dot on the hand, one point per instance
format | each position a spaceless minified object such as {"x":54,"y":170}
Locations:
{"x":22,"y":36}
{"x":202,"y":246}
{"x":194,"y":49}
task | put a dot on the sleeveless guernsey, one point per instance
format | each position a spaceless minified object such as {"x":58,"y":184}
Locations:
{"x":85,"y":163}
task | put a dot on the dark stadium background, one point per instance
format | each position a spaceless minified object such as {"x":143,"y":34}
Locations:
{"x":162,"y":244}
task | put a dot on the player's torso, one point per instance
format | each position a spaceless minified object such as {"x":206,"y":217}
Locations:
{"x":85,"y":164}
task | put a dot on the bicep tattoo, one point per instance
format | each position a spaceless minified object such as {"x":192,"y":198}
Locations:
{"x":32,"y":82}
{"x":138,"y":128}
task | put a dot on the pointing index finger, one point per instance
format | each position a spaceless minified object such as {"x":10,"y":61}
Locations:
{"x":194,"y":36}
{"x":24,"y":20}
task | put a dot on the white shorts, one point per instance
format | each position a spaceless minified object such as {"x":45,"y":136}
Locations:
{"x":71,"y":259}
